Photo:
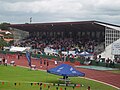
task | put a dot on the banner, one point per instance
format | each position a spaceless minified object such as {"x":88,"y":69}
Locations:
{"x":116,"y":48}
{"x":28,"y":58}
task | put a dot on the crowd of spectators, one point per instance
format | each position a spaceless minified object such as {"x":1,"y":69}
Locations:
{"x":61,"y":43}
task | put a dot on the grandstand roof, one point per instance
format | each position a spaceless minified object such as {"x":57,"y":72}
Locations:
{"x":62,"y":26}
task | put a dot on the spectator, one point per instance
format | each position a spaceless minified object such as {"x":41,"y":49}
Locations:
{"x":0,"y":61}
{"x":97,"y":61}
{"x":18,"y":56}
{"x":3,"y":60}
{"x":107,"y":62}
{"x":55,"y":62}
{"x":88,"y":88}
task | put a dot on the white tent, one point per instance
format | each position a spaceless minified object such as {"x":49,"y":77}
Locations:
{"x":84,"y":53}
{"x":18,"y":49}
{"x":50,"y":51}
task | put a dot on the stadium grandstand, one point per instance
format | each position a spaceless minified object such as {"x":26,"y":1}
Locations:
{"x":94,"y":37}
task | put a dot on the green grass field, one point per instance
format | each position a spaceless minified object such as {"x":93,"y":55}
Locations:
{"x":23,"y":77}
{"x":115,"y":71}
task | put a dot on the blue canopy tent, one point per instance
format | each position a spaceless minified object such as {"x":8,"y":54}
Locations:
{"x":66,"y":71}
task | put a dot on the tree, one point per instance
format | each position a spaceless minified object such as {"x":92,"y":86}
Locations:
{"x":2,"y":43}
{"x":4,"y":26}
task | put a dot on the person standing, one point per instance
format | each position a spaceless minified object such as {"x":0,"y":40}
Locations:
{"x":88,"y":88}
{"x":0,"y":61}
{"x":40,"y":62}
{"x":55,"y":63}
{"x":18,"y":56}
{"x":3,"y":60}
{"x":107,"y":62}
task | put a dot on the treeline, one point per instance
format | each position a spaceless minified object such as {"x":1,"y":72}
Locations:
{"x":4,"y":26}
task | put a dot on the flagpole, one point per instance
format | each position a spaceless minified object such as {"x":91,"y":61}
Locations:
{"x":46,"y":69}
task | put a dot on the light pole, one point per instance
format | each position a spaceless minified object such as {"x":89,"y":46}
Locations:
{"x":30,"y":20}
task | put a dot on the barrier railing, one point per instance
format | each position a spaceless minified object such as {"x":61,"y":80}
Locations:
{"x":67,"y":59}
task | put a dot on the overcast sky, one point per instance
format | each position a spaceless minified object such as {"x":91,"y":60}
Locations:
{"x":19,"y":11}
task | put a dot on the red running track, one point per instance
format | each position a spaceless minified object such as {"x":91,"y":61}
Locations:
{"x":107,"y":77}
{"x":104,"y":76}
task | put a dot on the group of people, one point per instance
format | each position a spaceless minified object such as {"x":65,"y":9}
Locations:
{"x":3,"y":61}
{"x":108,"y":62}
{"x":111,"y":63}
{"x":61,"y":43}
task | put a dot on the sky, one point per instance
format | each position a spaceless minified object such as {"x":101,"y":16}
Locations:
{"x":42,"y":11}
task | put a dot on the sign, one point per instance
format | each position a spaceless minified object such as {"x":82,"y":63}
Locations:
{"x":116,"y":48}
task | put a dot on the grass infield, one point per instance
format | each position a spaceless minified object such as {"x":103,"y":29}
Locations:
{"x":18,"y":78}
{"x":115,"y":71}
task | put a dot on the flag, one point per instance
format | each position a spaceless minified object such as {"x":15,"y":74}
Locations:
{"x":15,"y":84}
{"x":2,"y":83}
{"x":28,"y":58}
{"x":78,"y":85}
{"x":31,"y":84}
{"x":34,"y":83}
{"x":60,"y":88}
{"x":44,"y":85}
